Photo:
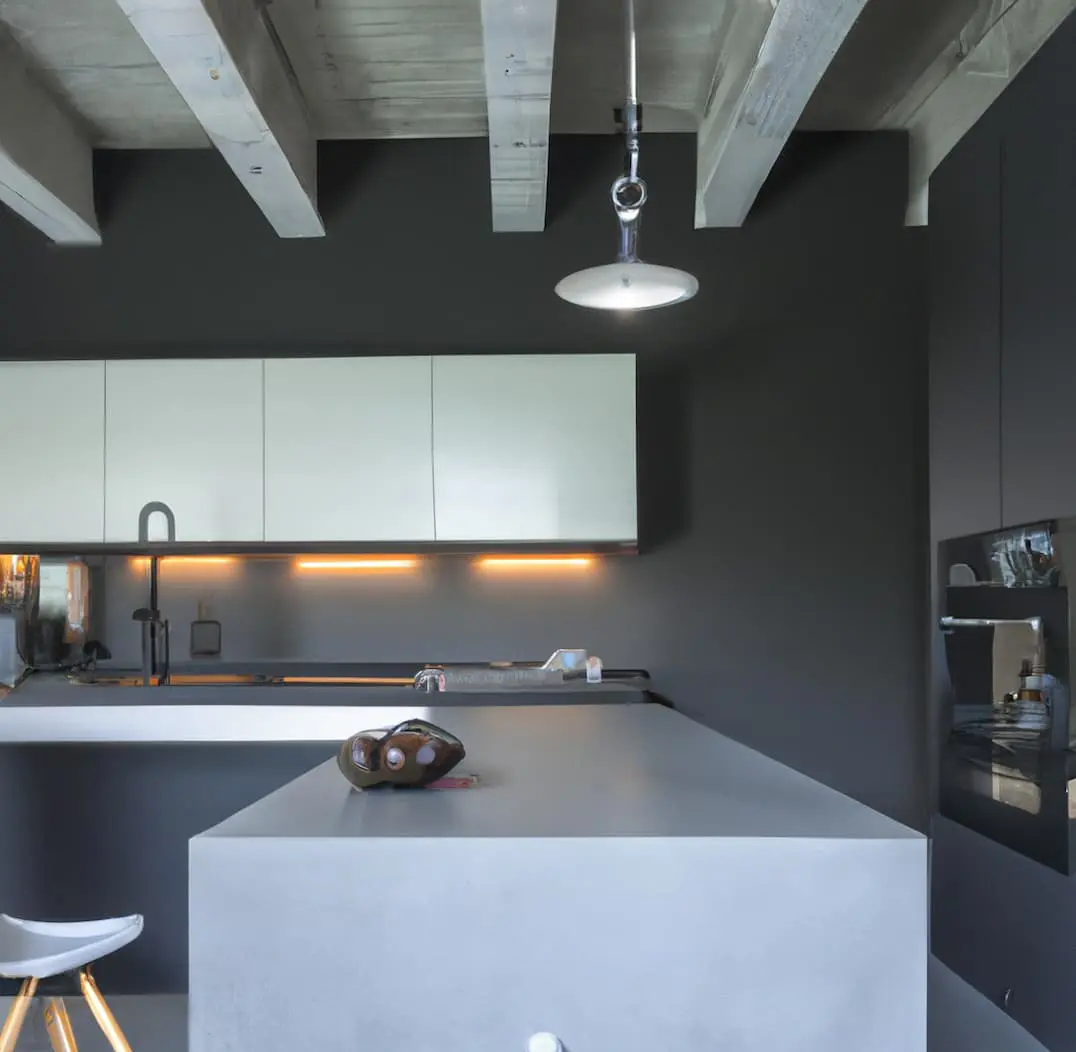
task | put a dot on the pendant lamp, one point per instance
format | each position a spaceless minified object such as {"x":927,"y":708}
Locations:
{"x":628,"y":284}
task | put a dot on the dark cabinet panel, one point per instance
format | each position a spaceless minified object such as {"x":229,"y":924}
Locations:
{"x":1038,"y":369}
{"x":965,"y":339}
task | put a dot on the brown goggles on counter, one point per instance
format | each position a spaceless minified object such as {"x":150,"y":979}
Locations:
{"x":413,"y":753}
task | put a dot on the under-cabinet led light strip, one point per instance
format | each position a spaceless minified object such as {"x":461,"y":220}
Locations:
{"x":535,"y":562}
{"x":382,"y":563}
{"x":140,"y":562}
{"x":373,"y":563}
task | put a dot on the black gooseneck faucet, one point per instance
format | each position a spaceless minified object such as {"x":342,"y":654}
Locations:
{"x":155,"y":646}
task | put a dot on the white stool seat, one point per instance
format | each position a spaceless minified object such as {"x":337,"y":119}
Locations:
{"x":41,"y":948}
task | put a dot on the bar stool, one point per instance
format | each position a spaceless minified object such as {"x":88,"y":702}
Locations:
{"x":37,"y":950}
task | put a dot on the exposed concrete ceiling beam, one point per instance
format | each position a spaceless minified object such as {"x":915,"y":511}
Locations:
{"x":46,"y":162}
{"x":963,"y":82}
{"x":772,"y":60}
{"x":225,"y":59}
{"x":517,"y":38}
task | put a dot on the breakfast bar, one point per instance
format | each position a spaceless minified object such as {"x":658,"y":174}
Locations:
{"x":620,"y":877}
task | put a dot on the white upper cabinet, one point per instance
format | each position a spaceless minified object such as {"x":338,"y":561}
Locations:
{"x":535,"y":448}
{"x":189,"y":434}
{"x":348,"y":449}
{"x":490,"y":448}
{"x":52,"y":443}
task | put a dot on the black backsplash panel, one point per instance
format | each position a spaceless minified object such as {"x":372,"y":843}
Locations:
{"x":446,"y":610}
{"x":781,"y":591}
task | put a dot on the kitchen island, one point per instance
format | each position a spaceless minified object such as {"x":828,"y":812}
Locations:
{"x":620,"y":876}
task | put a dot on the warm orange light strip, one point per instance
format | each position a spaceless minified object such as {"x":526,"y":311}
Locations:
{"x":535,"y":562}
{"x":371,"y":563}
{"x":142,"y":561}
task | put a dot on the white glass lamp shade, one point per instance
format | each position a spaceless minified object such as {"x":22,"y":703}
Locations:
{"x":627,"y":286}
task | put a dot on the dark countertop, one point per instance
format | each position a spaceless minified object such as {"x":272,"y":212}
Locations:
{"x":53,"y":689}
{"x":52,"y":708}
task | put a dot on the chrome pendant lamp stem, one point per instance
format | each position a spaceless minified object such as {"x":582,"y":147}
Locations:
{"x":632,"y":111}
{"x":629,"y":191}
{"x":629,"y":240}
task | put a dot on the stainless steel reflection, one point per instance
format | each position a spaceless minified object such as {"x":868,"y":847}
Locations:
{"x":12,"y":666}
{"x":1024,"y":557}
{"x":18,"y":581}
{"x":63,"y":611}
{"x":1022,"y":696}
{"x":44,"y":613}
{"x":429,"y":680}
{"x":1018,"y":649}
{"x":19,"y":576}
{"x":1002,"y":783}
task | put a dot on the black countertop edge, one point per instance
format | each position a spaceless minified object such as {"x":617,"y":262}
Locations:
{"x":46,"y":693}
{"x":327,"y":669}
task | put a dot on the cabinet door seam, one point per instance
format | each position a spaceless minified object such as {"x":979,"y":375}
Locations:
{"x":265,"y":461}
{"x":433,"y":449}
{"x":1001,"y":331}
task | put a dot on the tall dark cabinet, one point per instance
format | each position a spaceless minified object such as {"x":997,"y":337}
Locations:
{"x":1003,"y":453}
{"x":1038,"y":337}
{"x":965,"y":340}
{"x":1003,"y":319}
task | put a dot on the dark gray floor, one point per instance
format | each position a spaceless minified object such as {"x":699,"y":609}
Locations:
{"x":960,"y":1020}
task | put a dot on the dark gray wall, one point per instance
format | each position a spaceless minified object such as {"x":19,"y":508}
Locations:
{"x":1003,"y":441}
{"x":779,"y":412}
{"x":781,"y":591}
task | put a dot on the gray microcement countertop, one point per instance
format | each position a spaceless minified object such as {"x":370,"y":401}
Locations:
{"x":620,"y":876}
{"x":578,"y":771}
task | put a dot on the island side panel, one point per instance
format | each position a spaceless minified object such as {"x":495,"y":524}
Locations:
{"x":103,"y":830}
{"x":471,"y":945}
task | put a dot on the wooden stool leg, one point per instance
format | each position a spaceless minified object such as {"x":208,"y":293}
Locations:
{"x":16,"y":1015}
{"x":101,"y":1012}
{"x":58,"y":1026}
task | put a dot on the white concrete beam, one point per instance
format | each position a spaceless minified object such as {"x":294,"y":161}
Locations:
{"x":518,"y":39}
{"x":225,"y":59}
{"x":774,"y":57}
{"x":46,"y":162}
{"x":965,"y":80}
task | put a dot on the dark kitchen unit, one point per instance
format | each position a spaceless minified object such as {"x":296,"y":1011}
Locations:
{"x":1006,"y":762}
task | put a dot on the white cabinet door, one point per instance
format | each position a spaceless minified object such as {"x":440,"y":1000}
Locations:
{"x":535,"y":447}
{"x":188,"y":433}
{"x":52,"y":445}
{"x":348,"y":449}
